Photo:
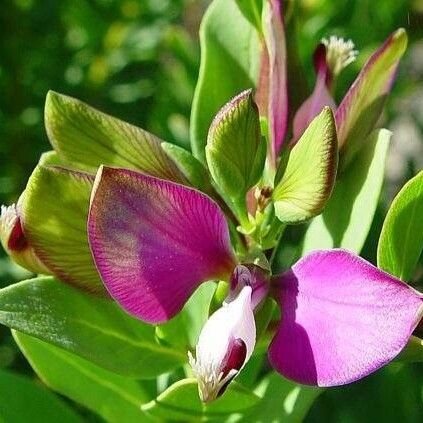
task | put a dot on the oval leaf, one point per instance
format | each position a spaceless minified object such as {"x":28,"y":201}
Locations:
{"x":94,"y":328}
{"x":86,"y":138}
{"x":310,"y":173}
{"x":401,"y":239}
{"x":181,"y":402}
{"x":115,"y":398}
{"x":229,"y":64}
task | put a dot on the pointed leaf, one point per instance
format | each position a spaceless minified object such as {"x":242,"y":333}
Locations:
{"x":310,"y":173}
{"x":342,"y":319}
{"x":54,"y":216}
{"x":251,"y":9}
{"x":24,"y":400}
{"x":274,"y":36}
{"x":235,"y":150}
{"x":181,"y":402}
{"x":229,"y":64}
{"x":115,"y":398}
{"x":283,"y":401}
{"x":347,"y":217}
{"x":154,"y":242}
{"x":91,"y":327}
{"x":86,"y":138}
{"x":413,"y":352}
{"x":360,"y":109}
{"x":401,"y":239}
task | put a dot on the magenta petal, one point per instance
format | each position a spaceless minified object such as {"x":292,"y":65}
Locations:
{"x":155,"y":241}
{"x":274,"y":34}
{"x":342,"y":318}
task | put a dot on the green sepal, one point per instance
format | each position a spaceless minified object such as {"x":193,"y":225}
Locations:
{"x":86,"y":138}
{"x":252,"y":10}
{"x":181,"y":402}
{"x":310,"y":172}
{"x":54,"y":216}
{"x":401,"y":240}
{"x":91,"y":327}
{"x":349,"y":213}
{"x":413,"y":351}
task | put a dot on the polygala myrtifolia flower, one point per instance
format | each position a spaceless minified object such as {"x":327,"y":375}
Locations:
{"x":160,"y":222}
{"x":154,"y":242}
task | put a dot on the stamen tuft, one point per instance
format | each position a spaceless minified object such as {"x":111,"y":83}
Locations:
{"x":339,"y":53}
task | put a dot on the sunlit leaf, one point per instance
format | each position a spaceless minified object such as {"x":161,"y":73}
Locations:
{"x":401,"y":239}
{"x":117,"y":399}
{"x":230,"y":53}
{"x":91,"y":327}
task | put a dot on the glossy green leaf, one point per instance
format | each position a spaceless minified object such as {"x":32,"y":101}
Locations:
{"x":413,"y":352}
{"x":230,"y":56}
{"x":401,"y":240}
{"x":94,"y":328}
{"x":86,"y":138}
{"x":193,"y":170}
{"x":117,"y":399}
{"x":361,"y":107}
{"x":181,"y":402}
{"x":235,"y":149}
{"x":310,"y":172}
{"x":252,"y":10}
{"x":184,"y":329}
{"x":349,"y":213}
{"x":283,"y":401}
{"x":24,"y":400}
{"x":54,"y":215}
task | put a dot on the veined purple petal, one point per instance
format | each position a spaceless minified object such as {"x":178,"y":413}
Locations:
{"x":155,"y":241}
{"x":320,"y":97}
{"x":342,"y":319}
{"x":274,"y":35}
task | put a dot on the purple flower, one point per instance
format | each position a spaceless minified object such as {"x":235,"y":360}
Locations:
{"x":154,"y":242}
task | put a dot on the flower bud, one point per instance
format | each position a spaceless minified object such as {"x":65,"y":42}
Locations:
{"x":15,"y":243}
{"x":225,"y":344}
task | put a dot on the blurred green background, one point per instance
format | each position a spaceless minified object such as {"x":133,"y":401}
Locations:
{"x":138,"y":60}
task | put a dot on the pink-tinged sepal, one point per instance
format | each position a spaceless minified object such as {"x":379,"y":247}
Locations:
{"x":225,"y":345}
{"x":342,"y":319}
{"x":330,"y":57}
{"x":154,"y":242}
{"x":15,"y":243}
{"x":275,"y":67}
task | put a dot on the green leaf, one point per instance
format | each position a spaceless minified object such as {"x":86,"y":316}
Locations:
{"x":349,"y":213}
{"x":184,"y":329}
{"x":310,"y":172}
{"x":24,"y":400}
{"x":117,"y":399}
{"x":252,"y":9}
{"x":230,"y":58}
{"x":54,"y":214}
{"x":94,"y":328}
{"x":401,"y":239}
{"x":85,"y":138}
{"x":283,"y":401}
{"x":235,"y":150}
{"x":193,"y":170}
{"x":181,"y":402}
{"x":361,"y":107}
{"x":413,"y":352}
